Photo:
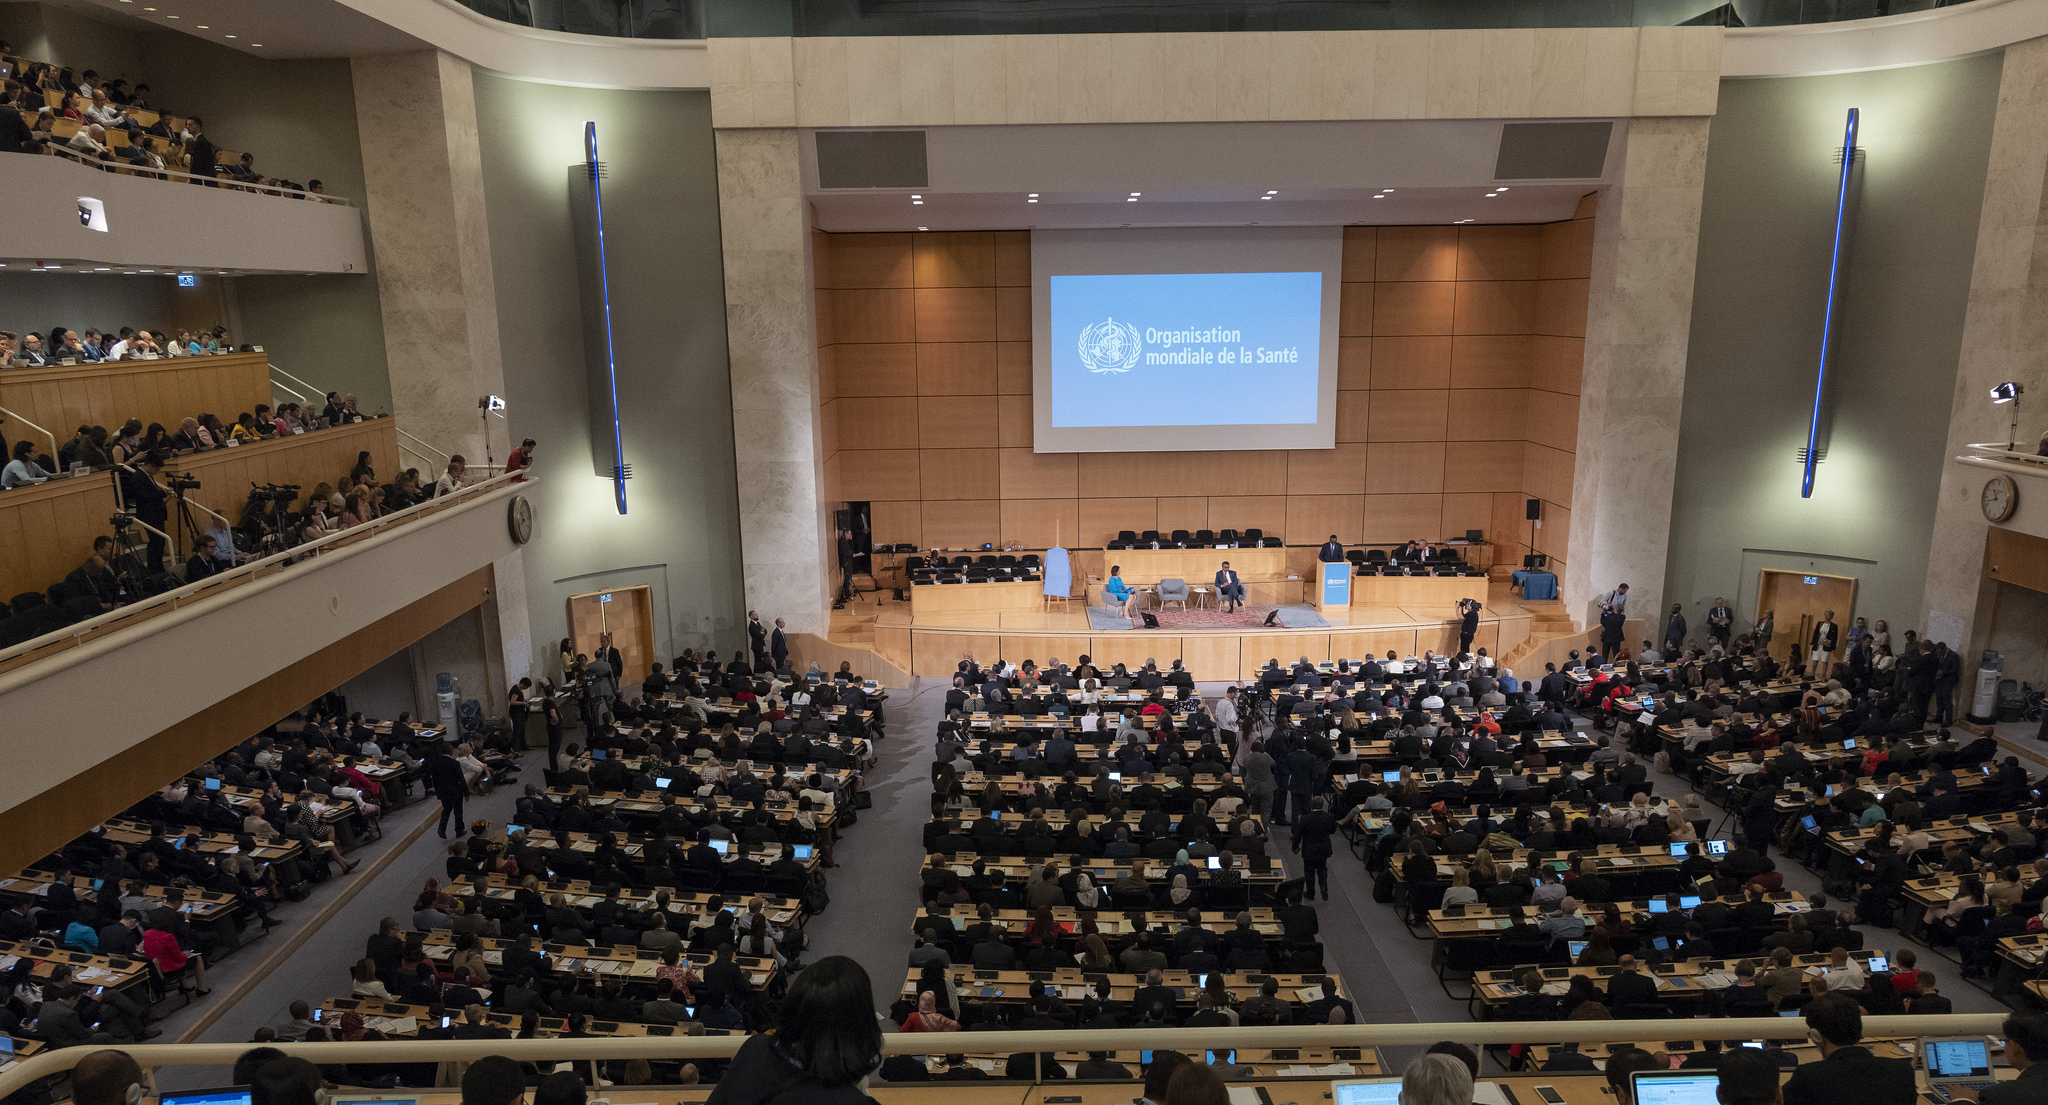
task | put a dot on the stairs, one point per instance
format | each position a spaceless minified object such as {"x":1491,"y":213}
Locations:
{"x":1548,"y":623}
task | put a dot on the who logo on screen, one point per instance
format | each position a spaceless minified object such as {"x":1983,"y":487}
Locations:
{"x":1110,"y":346}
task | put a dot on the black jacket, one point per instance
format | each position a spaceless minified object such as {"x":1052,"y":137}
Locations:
{"x":1852,"y":1076}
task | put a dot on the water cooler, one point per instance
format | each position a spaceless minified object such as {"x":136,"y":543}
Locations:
{"x":1984,"y":704}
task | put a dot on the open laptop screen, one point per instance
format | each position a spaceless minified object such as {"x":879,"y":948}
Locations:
{"x":1967,"y":1057}
{"x":1368,"y":1091}
{"x":1665,"y":1088}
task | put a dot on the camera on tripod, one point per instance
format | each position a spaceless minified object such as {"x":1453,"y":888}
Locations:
{"x":121,"y":519}
{"x":273,"y":492}
{"x":184,"y":481}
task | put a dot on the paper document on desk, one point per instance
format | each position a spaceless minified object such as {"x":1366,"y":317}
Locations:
{"x":1981,"y":827}
{"x":392,"y":1026}
{"x":94,"y":974}
{"x":1490,"y":1093}
{"x":440,"y":953}
{"x":41,"y":890}
{"x":1075,"y":993}
{"x":495,"y":959}
{"x":1557,"y":989}
{"x":1310,"y":994}
{"x":1716,"y":980}
{"x":7,"y":962}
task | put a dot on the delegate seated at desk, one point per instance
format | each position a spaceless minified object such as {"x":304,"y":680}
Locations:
{"x":1116,"y":589}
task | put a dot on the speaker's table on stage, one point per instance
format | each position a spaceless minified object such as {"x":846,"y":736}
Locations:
{"x":1421,"y":593}
{"x":1198,"y":565}
{"x":943,"y":599}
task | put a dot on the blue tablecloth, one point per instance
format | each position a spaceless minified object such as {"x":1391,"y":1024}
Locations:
{"x":1535,"y":585}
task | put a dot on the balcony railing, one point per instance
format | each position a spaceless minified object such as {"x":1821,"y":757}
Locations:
{"x":72,"y":636}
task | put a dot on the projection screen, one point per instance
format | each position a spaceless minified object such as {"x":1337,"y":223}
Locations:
{"x":1185,"y":338}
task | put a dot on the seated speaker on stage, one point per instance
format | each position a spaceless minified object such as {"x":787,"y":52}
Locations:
{"x":1116,"y":589}
{"x":1228,"y":587}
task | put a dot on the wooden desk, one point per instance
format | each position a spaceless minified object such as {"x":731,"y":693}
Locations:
{"x":787,"y":912}
{"x":119,"y":972}
{"x":620,"y":961}
{"x":1104,"y":872}
{"x":1073,"y":984}
{"x":1684,"y":978}
{"x":1480,"y":921}
{"x":977,"y":600}
{"x":1199,"y":566}
{"x":1419,"y":593}
{"x":391,"y":1018}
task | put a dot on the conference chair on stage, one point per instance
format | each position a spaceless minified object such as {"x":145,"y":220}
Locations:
{"x":1174,"y":591}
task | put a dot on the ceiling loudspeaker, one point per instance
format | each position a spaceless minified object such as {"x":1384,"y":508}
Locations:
{"x":1552,"y":151}
{"x":872,"y":159}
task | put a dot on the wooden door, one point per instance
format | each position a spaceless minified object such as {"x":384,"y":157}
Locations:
{"x":1799,"y":600}
{"x":627,"y":615}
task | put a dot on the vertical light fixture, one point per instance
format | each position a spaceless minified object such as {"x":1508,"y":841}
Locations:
{"x":1811,"y":459}
{"x":586,"y":191}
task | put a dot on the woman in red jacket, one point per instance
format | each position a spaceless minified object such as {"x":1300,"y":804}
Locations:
{"x":161,"y":948}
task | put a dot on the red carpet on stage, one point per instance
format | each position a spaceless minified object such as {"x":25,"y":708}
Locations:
{"x":1245,"y":617}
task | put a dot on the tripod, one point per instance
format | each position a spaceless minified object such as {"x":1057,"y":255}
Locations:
{"x":186,"y":529}
{"x":130,"y":569}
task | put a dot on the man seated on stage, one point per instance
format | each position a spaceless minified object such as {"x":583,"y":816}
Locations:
{"x":1228,"y":587}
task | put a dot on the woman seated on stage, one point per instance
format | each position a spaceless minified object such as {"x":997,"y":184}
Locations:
{"x":1115,"y":589}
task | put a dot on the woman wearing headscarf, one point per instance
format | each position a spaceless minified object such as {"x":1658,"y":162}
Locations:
{"x":1095,"y":954}
{"x":928,"y":1018}
{"x":1086,"y":893}
{"x":1042,"y":926}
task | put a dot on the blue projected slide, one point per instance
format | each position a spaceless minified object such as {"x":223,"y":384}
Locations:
{"x":1186,"y":349}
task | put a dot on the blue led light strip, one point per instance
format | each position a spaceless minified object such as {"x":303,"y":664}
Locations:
{"x":1827,"y":326}
{"x":604,"y":282}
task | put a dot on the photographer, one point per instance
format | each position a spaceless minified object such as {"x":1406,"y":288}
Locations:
{"x":146,"y":500}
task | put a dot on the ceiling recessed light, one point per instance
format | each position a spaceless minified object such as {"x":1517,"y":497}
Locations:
{"x":917,"y":195}
{"x":1464,"y":220}
{"x":103,"y":268}
{"x":231,"y":36}
{"x":170,"y":17}
{"x":1385,"y":190}
{"x":1502,"y":188}
{"x":205,"y":27}
{"x":257,"y":44}
{"x":1493,"y":195}
{"x":1031,"y":195}
{"x":1273,"y":192}
{"x":1133,"y":199}
{"x":1030,"y":201}
{"x":1136,"y":194}
{"x":924,"y":228}
{"x":917,"y":203}
{"x":1265,"y":197}
{"x":1379,"y":197}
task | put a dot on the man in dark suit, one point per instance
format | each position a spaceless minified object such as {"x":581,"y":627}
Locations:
{"x":1847,"y":1073}
{"x":2026,"y":1035}
{"x":778,"y":646}
{"x":58,"y":1021}
{"x":204,"y":154}
{"x":1630,"y":986}
{"x":445,"y":776}
{"x":1332,"y":551}
{"x":1228,"y":588}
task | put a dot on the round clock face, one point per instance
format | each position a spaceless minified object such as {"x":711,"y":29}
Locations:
{"x":521,"y":519}
{"x":2000,"y":498}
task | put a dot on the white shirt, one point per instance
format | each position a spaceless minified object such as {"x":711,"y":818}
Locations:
{"x":83,"y":141}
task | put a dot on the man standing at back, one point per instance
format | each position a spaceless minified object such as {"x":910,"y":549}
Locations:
{"x":1847,"y":1073}
{"x":778,"y":646}
{"x":1312,"y":833}
{"x":204,"y":154}
{"x":445,"y":776}
{"x":1824,"y":637}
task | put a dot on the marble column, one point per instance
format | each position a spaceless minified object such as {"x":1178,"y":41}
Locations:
{"x":424,"y":184}
{"x":1638,"y":314}
{"x":785,"y":511}
{"x":424,"y":199}
{"x":2005,"y":334}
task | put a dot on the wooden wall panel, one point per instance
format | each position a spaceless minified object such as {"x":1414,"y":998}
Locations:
{"x":878,"y":474}
{"x":958,"y":473}
{"x":1131,"y":650}
{"x":896,"y":522}
{"x":874,"y":369}
{"x":956,"y":368}
{"x":1339,"y":471}
{"x":167,"y":390}
{"x":1210,"y":658}
{"x":962,"y":525}
{"x":1405,"y":467}
{"x":1101,"y":519}
{"x":933,"y":652}
{"x":1039,"y":523}
{"x":1458,"y":375}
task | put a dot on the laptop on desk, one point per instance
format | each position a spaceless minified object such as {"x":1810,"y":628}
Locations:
{"x":1956,"y":1062}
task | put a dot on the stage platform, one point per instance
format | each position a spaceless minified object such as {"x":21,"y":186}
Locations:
{"x":933,"y":644}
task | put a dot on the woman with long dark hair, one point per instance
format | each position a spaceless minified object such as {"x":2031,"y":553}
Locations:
{"x":826,"y":1042}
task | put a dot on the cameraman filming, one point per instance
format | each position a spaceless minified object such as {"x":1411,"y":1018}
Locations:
{"x":146,"y":500}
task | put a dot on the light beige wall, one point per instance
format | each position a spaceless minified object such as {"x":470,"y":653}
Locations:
{"x":941,"y":80}
{"x":2005,"y":330}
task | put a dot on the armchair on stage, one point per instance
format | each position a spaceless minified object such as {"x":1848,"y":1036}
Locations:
{"x":1173,"y":590}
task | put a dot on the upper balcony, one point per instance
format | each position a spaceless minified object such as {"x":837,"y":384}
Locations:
{"x":72,"y":214}
{"x":230,"y":655}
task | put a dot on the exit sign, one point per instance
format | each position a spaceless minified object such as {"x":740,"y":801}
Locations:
{"x":1809,"y":579}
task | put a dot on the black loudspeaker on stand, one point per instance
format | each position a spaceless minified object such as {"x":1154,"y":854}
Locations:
{"x":1532,"y":509}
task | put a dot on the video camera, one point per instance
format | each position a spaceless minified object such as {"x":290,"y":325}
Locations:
{"x":274,"y":492}
{"x":184,"y":481}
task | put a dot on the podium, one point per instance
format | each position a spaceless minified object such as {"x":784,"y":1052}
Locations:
{"x":1333,"y":586}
